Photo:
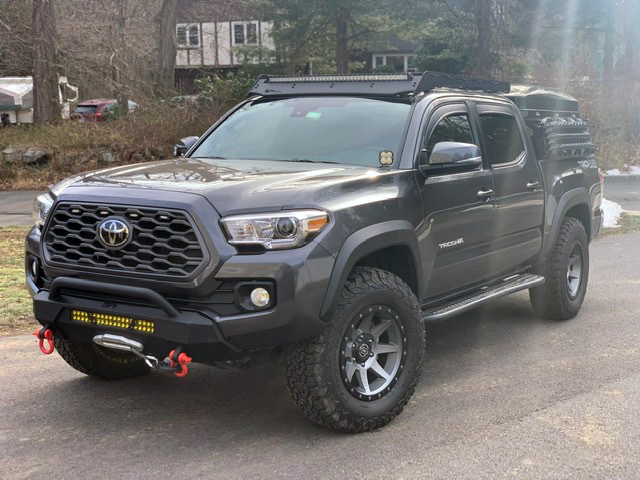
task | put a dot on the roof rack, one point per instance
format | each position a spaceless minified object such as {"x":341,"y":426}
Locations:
{"x":370,"y":84}
{"x":431,"y":80}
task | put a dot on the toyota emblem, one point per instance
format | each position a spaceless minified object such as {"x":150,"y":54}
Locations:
{"x":113,"y":233}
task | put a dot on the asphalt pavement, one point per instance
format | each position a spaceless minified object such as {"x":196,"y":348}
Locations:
{"x":16,"y":207}
{"x":502,"y":395}
{"x":624,"y":190}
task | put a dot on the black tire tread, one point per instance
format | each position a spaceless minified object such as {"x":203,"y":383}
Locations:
{"x":548,"y":300}
{"x":304,"y":369}
{"x":90,"y":360}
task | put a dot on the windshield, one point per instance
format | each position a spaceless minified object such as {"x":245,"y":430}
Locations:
{"x":86,"y":109}
{"x":320,"y":129}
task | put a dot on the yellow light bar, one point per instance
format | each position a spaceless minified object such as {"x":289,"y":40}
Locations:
{"x":113,"y":321}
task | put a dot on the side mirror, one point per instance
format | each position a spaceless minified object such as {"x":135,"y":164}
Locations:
{"x":183,"y":146}
{"x":451,"y":156}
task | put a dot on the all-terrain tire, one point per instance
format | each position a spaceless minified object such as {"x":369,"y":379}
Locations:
{"x":315,"y":377}
{"x":100,"y":362}
{"x":553,"y":299}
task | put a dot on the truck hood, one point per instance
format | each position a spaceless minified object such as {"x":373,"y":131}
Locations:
{"x":233,"y":186}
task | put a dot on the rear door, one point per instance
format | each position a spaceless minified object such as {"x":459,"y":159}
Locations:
{"x":458,"y":218}
{"x":517,"y":179}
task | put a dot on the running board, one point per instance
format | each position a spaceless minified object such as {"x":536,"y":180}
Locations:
{"x":509,"y":285}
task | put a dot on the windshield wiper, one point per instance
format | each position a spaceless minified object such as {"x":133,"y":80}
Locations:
{"x":306,"y":160}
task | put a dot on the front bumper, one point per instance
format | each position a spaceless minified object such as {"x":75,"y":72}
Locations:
{"x":300,"y":278}
{"x":194,"y":330}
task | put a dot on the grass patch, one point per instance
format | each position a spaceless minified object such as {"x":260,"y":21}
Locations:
{"x":146,"y":135}
{"x":16,"y":315}
{"x":629,"y":223}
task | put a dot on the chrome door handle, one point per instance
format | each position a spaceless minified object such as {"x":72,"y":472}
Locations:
{"x":533,"y":185}
{"x":485,"y":193}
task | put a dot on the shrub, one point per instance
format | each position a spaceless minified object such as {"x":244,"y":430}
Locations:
{"x":225,"y":90}
{"x":147,"y":134}
{"x":614,"y":119}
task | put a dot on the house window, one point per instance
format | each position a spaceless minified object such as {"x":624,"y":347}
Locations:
{"x":245,"y":33}
{"x":188,"y":35}
{"x":399,"y":62}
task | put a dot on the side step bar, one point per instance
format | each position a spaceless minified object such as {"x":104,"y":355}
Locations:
{"x":509,"y":285}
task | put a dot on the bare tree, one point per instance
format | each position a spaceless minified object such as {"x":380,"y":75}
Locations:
{"x":16,"y":57}
{"x":45,"y":78}
{"x":166,"y":44}
{"x":120,"y":63}
{"x":483,"y":13}
{"x":342,"y":38}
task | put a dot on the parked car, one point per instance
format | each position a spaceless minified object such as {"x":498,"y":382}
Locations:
{"x":98,"y":110}
{"x":328,"y":217}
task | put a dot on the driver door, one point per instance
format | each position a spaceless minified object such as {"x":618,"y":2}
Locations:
{"x":458,"y":209}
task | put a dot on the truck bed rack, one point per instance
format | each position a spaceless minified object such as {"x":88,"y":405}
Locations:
{"x":370,"y":84}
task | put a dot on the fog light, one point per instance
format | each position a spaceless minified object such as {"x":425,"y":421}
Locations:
{"x":34,"y":268}
{"x":260,"y":297}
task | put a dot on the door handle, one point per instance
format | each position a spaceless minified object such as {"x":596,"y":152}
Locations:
{"x":485,"y":194}
{"x":533,"y":185}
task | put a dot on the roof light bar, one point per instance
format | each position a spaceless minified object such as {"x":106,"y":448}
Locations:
{"x":339,"y":78}
{"x":381,"y":85}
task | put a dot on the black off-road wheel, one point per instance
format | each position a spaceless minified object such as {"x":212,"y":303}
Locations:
{"x":97,"y":361}
{"x":566,"y":273}
{"x":361,"y":372}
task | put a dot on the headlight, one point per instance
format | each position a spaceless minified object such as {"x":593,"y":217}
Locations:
{"x":41,"y":208}
{"x":44,"y":202}
{"x":275,"y":231}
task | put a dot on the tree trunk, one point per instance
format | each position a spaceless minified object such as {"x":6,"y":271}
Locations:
{"x":46,"y":102}
{"x":482,"y":61}
{"x":609,"y":44}
{"x":120,"y":61}
{"x":631,"y":15}
{"x":166,"y":44}
{"x":342,"y":50}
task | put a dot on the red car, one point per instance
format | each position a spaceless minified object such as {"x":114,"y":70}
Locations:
{"x":98,"y":110}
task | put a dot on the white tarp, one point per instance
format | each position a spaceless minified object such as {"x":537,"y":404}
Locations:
{"x":16,"y":98}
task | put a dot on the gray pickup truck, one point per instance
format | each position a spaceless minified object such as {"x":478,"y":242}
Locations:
{"x":327,"y":218}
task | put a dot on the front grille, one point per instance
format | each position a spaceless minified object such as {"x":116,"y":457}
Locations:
{"x":163,"y":242}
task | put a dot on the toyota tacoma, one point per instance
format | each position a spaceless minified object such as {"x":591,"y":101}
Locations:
{"x":327,"y":218}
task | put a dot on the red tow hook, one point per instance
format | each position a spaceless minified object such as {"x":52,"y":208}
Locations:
{"x":42,"y":334}
{"x":182,"y":360}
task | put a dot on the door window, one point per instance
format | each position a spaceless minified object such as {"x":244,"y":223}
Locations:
{"x":452,"y":128}
{"x":502,"y":138}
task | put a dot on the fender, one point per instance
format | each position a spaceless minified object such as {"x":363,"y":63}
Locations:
{"x":568,"y":200}
{"x":360,"y":244}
